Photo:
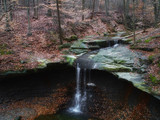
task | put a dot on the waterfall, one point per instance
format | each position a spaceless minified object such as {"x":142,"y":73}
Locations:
{"x":80,"y":97}
{"x":115,"y":43}
{"x":77,"y":100}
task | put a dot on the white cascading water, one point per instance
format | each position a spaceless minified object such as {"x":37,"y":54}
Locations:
{"x":77,"y":100}
{"x":80,"y":97}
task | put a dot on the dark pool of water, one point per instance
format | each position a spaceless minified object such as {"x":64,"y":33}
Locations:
{"x":109,"y":92}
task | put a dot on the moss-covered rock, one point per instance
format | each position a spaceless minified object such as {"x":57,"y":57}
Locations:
{"x":116,"y":68}
{"x":43,"y":63}
{"x":4,"y":50}
{"x":100,"y":43}
{"x":72,"y":38}
{"x":70,"y":59}
{"x":66,"y":45}
{"x":79,"y":45}
{"x":78,"y":51}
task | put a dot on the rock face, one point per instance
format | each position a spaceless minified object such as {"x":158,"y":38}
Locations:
{"x":120,"y":61}
{"x":114,"y":58}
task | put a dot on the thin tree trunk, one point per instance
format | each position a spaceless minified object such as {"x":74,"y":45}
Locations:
{"x":83,"y":7}
{"x":143,"y":14}
{"x":1,"y":7}
{"x":134,"y":36}
{"x":93,"y":9}
{"x":106,"y":7}
{"x":28,"y":15}
{"x":6,"y":12}
{"x":127,"y":7}
{"x":10,"y":10}
{"x":159,"y":9}
{"x":59,"y":24}
{"x":125,"y":16}
{"x":155,"y":11}
{"x":37,"y":1}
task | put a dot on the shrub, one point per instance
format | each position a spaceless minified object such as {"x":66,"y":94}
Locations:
{"x":151,"y":58}
{"x":153,"y":79}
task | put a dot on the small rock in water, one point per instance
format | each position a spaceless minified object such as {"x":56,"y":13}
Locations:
{"x":91,"y":84}
{"x":115,"y":45}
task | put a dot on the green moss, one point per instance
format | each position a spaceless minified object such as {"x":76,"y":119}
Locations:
{"x":116,"y":68}
{"x":153,"y":37}
{"x":157,"y":36}
{"x":70,"y":59}
{"x":153,"y":79}
{"x":66,"y":52}
{"x":105,"y":34}
{"x":119,"y":61}
{"x":138,"y":41}
{"x":151,"y":58}
{"x":66,"y":45}
{"x":5,"y":52}
{"x":133,"y":47}
{"x":148,"y":40}
{"x":3,"y":46}
{"x":72,"y":38}
{"x":159,"y":64}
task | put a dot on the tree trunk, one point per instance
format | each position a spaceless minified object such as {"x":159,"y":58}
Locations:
{"x":6,"y":13}
{"x":83,"y":7}
{"x":125,"y":16}
{"x":35,"y":5}
{"x":28,"y":15}
{"x":93,"y":9}
{"x":159,"y":9}
{"x":106,"y":7}
{"x":127,"y":7}
{"x":155,"y":12}
{"x":59,"y":24}
{"x":134,"y":35}
{"x":143,"y":14}
{"x":10,"y":10}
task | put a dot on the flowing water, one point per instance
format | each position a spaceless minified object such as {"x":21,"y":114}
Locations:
{"x":77,"y":100}
{"x":80,"y":98}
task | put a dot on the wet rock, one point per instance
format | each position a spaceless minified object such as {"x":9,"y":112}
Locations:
{"x":100,"y":43}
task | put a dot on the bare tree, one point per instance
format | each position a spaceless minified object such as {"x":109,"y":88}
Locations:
{"x":83,"y":7}
{"x":35,"y":5}
{"x":93,"y":9}
{"x":6,"y":14}
{"x":107,"y":7}
{"x":28,"y":15}
{"x":134,"y":27}
{"x":59,"y":23}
